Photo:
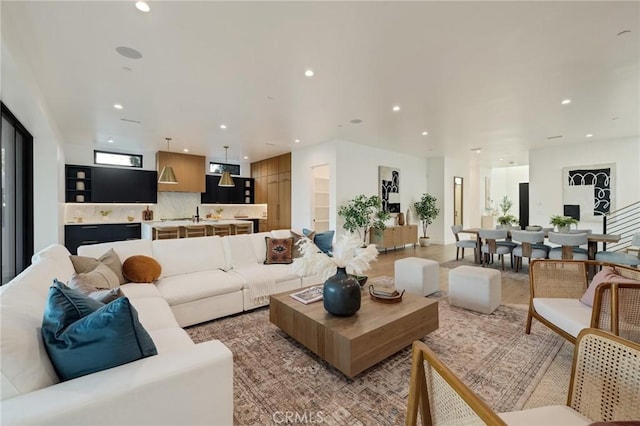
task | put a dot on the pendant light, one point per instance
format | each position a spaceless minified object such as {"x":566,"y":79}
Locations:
{"x":167,"y":175}
{"x":226,"y":180}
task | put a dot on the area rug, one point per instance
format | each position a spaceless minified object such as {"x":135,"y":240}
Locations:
{"x":522,"y":275}
{"x":274,"y":376}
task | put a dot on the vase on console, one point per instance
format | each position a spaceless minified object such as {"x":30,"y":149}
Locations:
{"x":341,"y":294}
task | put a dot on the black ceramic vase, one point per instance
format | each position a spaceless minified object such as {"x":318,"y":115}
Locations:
{"x":341,"y":294}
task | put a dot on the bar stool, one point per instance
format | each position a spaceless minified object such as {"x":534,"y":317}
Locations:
{"x":242,"y":228}
{"x":190,"y":231}
{"x":221,"y":230}
{"x":166,"y":232}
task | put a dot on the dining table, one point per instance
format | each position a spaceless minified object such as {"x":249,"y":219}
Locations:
{"x":592,"y":242}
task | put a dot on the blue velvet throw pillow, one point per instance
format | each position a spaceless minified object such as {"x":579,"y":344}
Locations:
{"x":83,"y":336}
{"x":324,"y":240}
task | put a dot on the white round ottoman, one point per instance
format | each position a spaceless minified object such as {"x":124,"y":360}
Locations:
{"x":474,"y":288}
{"x":417,"y":276}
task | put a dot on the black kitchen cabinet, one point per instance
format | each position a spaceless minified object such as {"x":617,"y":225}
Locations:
{"x":78,"y":235}
{"x":77,"y":184}
{"x":112,"y":185}
{"x":241,"y":193}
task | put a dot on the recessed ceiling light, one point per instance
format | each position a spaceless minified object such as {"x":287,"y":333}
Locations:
{"x":396,"y":108}
{"x":245,"y":157}
{"x":142,"y":6}
{"x":110,"y":140}
{"x":128,"y":52}
{"x":297,"y":141}
{"x":186,"y":150}
{"x":588,"y":135}
{"x":500,"y":159}
{"x":565,"y":101}
{"x":117,"y":106}
{"x":223,"y":126}
{"x":309,"y":73}
{"x":425,"y":133}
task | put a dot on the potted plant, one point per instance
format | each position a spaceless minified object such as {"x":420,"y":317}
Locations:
{"x":563,"y":223}
{"x":427,"y":211}
{"x":507,"y":219}
{"x":363,"y":213}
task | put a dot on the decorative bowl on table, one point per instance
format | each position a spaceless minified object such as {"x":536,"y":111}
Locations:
{"x":362,"y":279}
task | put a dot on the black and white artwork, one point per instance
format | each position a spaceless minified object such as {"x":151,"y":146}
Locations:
{"x":389,"y":179}
{"x":592,"y":188}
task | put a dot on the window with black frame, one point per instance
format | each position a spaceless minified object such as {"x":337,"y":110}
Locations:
{"x":219,"y":168}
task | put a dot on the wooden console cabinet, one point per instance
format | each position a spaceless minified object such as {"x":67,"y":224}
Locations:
{"x":394,"y":237}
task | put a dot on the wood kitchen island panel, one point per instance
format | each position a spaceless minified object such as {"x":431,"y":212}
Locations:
{"x":353,"y":344}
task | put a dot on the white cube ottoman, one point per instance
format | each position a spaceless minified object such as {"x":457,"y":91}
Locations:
{"x":417,"y":276}
{"x":475,"y":288}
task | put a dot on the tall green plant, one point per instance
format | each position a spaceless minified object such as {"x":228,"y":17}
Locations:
{"x":363,"y":213}
{"x":427,"y":211}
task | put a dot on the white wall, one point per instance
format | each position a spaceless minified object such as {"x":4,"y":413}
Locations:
{"x":353,"y":170}
{"x":545,"y":174}
{"x":505,"y":181}
{"x":21,"y":94}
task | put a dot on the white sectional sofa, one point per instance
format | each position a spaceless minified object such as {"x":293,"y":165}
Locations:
{"x":185,"y":384}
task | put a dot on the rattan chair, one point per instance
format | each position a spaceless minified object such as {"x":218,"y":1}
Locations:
{"x":166,"y":232}
{"x":605,"y":378}
{"x":191,"y":231}
{"x":556,"y":286}
{"x":219,"y":229}
{"x":242,"y":228}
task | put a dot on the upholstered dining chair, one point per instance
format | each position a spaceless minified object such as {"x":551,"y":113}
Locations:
{"x":570,"y":246}
{"x":620,"y":257}
{"x":462,"y":244}
{"x":492,"y":245}
{"x":603,"y":388}
{"x":530,"y":246}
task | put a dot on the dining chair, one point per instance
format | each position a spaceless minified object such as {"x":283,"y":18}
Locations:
{"x":603,"y":387}
{"x":462,"y":244}
{"x":620,"y":257}
{"x":570,"y":246}
{"x":166,"y":232}
{"x":530,"y":246}
{"x":492,"y":245}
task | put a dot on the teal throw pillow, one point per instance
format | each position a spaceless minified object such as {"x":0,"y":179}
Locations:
{"x":323,"y":240}
{"x":83,"y":336}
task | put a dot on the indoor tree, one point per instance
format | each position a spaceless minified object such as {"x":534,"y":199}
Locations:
{"x":363,"y":213}
{"x":427,"y":211}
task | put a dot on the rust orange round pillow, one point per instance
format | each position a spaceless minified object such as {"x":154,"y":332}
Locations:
{"x":141,"y":269}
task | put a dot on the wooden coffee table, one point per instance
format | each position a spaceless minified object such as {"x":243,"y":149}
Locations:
{"x":353,"y":344}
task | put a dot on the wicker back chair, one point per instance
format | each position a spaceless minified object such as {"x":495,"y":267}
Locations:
{"x":605,"y":378}
{"x":556,"y":286}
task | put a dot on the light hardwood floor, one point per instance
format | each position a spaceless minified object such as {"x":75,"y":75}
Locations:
{"x":513,"y":291}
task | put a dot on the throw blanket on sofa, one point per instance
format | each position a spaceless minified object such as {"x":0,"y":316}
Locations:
{"x":260,"y":284}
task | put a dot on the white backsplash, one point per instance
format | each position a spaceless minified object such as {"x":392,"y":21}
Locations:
{"x":171,"y":205}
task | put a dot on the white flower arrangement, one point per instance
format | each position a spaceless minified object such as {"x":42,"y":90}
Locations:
{"x":347,"y":253}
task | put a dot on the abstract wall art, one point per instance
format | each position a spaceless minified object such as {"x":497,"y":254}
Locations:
{"x":590,"y":187}
{"x":389,"y":183}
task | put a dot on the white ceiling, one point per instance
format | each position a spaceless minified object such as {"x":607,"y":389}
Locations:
{"x":472,"y":74}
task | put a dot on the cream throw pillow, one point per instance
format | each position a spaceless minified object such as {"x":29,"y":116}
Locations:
{"x":84,"y":264}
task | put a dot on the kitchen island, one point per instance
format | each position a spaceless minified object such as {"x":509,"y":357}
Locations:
{"x":149,"y":226}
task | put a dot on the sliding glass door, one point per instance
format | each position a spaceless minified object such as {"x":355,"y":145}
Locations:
{"x":17,"y":196}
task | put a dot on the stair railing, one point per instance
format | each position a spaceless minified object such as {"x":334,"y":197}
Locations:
{"x":624,"y":222}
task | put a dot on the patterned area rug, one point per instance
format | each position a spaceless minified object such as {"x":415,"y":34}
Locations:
{"x":274,"y":375}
